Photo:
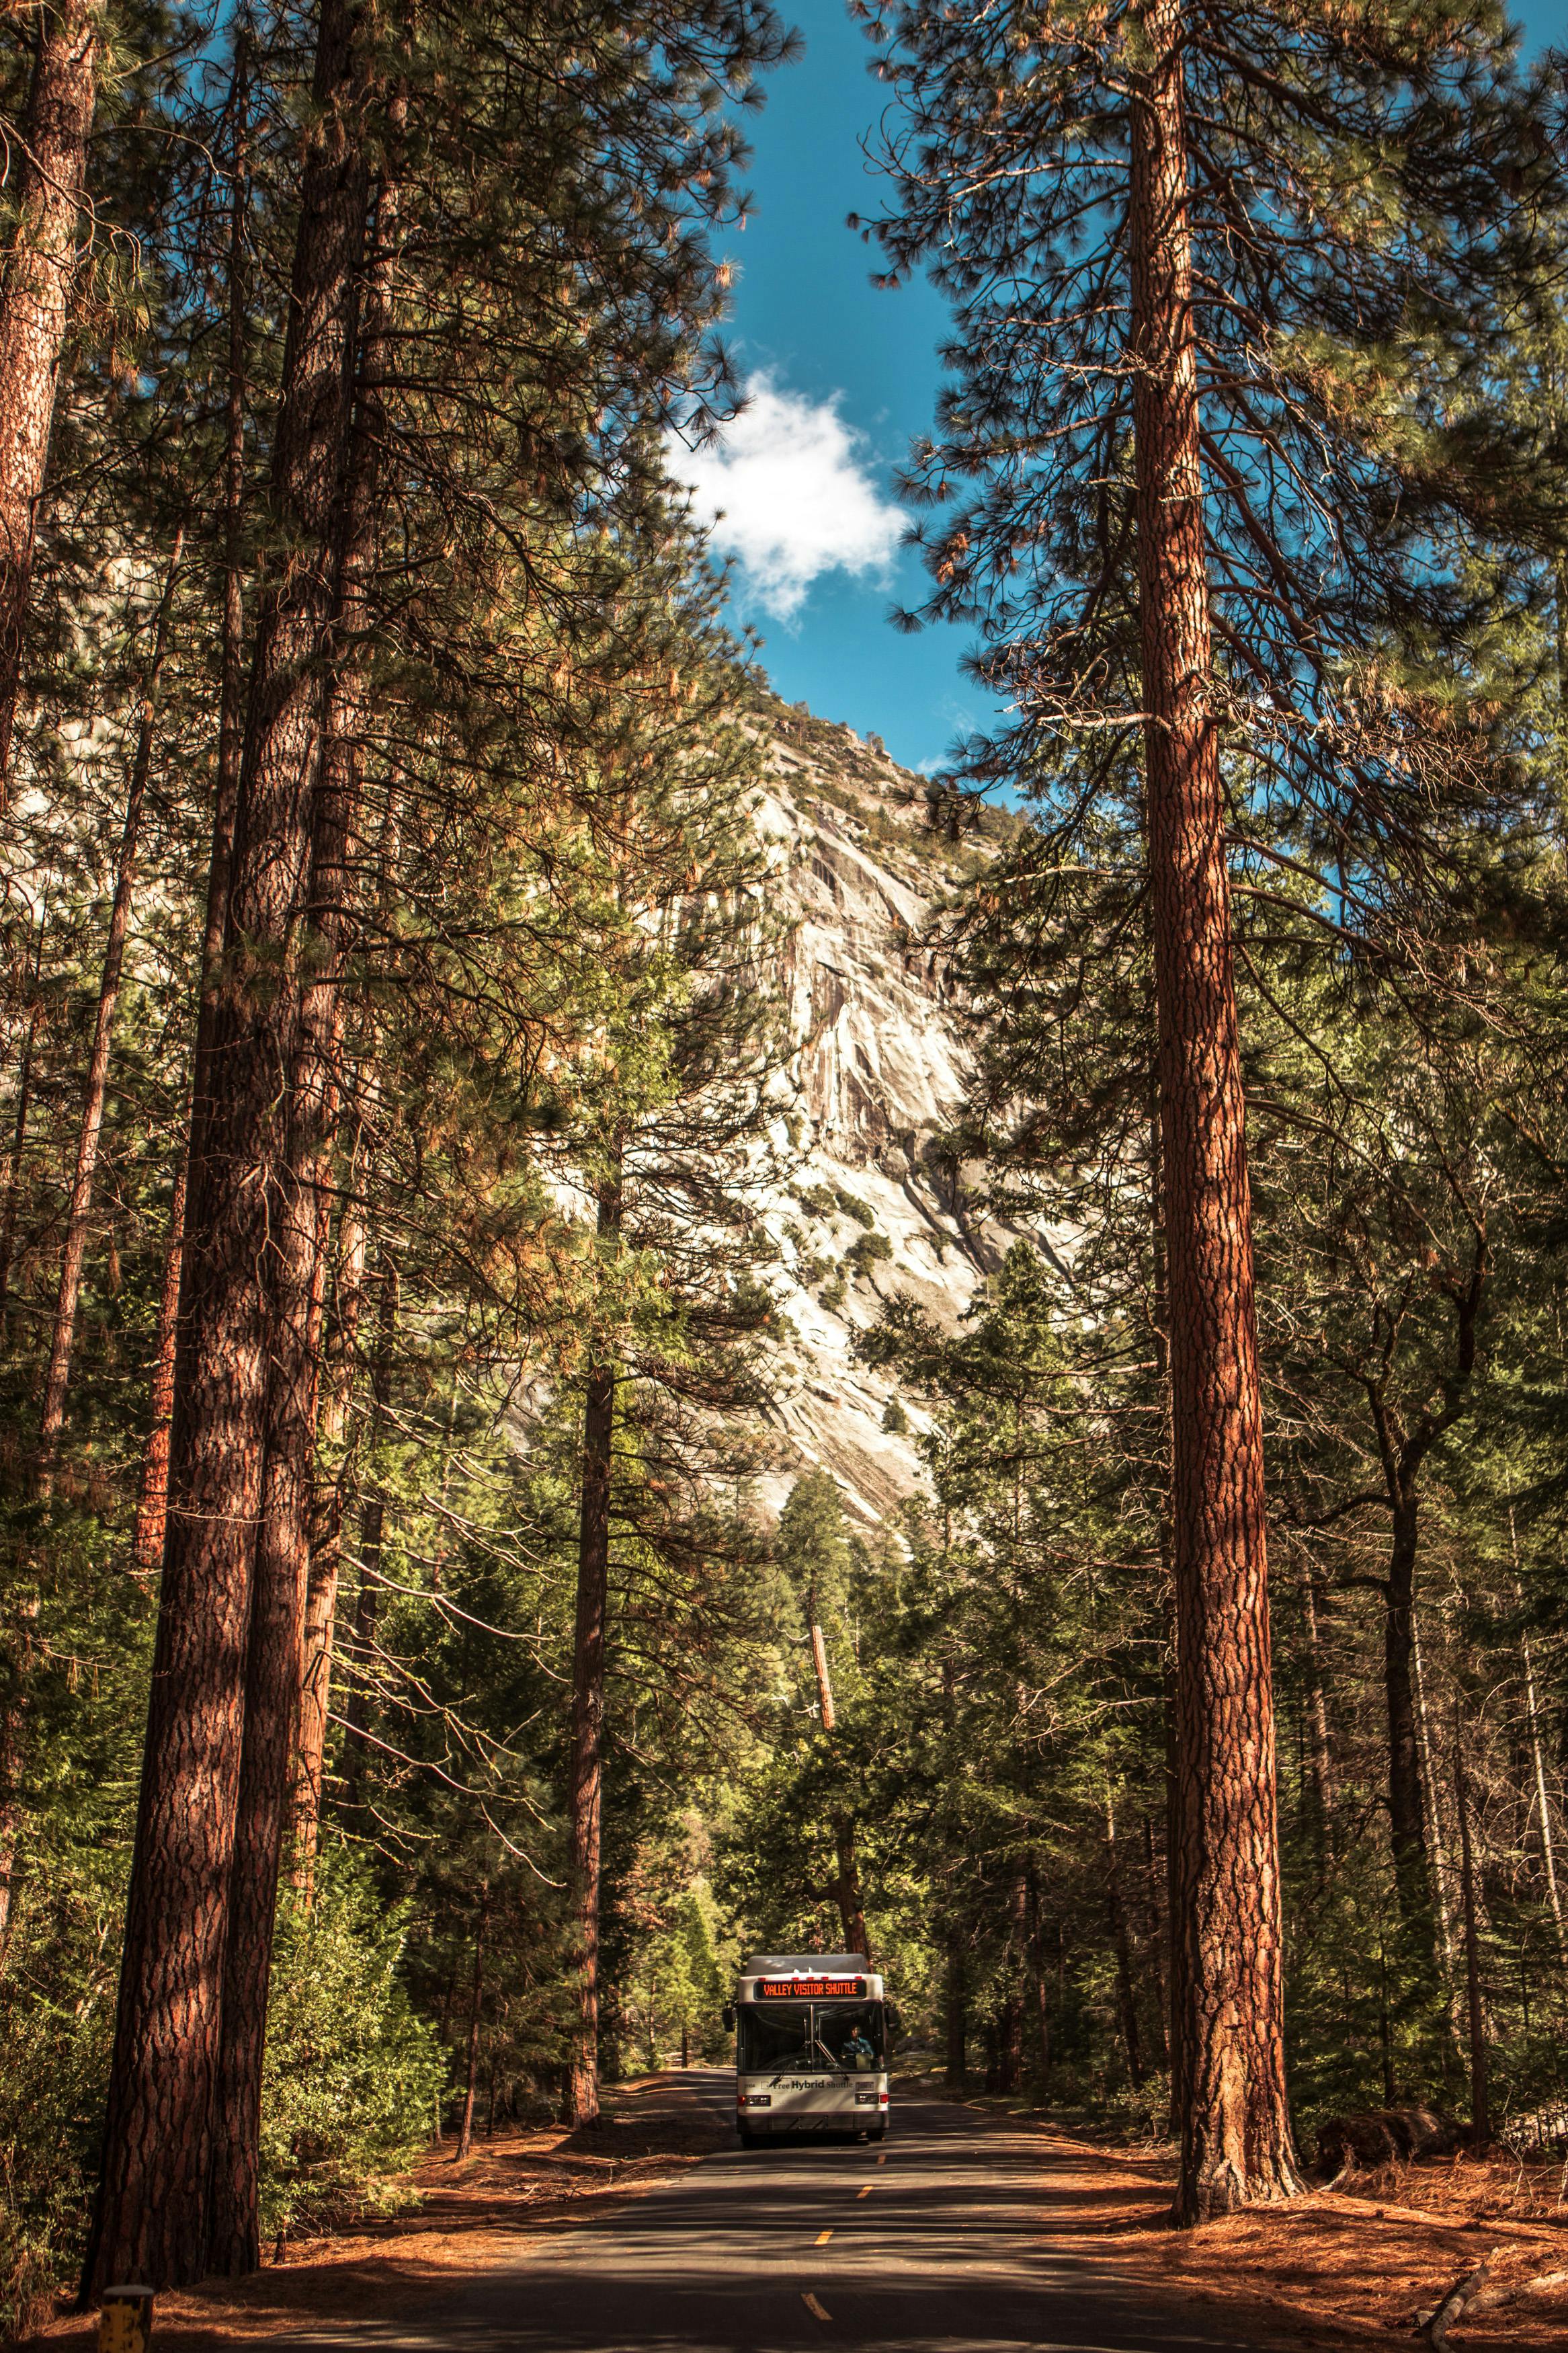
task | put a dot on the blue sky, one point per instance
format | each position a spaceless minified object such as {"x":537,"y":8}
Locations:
{"x":843,"y":375}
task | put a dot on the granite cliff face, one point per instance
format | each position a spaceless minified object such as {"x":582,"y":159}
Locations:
{"x":870,"y":1208}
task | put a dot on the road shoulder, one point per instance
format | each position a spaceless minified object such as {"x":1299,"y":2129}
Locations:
{"x":486,"y":2215}
{"x":1355,"y":2263}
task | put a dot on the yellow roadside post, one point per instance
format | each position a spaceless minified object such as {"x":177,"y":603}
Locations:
{"x":125,"y":2321}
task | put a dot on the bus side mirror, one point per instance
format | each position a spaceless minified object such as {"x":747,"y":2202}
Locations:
{"x":891,"y":2018}
{"x":728,"y":2015}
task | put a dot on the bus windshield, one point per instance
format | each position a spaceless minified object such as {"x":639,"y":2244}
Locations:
{"x":814,"y":2037}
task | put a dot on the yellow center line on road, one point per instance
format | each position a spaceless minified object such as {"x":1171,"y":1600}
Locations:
{"x":822,"y":2237}
{"x":883,"y":2158}
{"x":867,"y":2192}
{"x":818,"y":2311}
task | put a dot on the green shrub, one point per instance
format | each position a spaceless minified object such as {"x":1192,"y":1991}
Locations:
{"x":854,"y":1208}
{"x":866,"y":1253}
{"x":353,"y":2076}
{"x":51,"y":2082}
{"x":56,"y":2023}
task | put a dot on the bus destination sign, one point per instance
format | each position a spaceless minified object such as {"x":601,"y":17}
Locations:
{"x":820,"y":1989}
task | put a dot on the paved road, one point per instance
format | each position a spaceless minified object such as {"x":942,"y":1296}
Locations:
{"x":932,"y":2241}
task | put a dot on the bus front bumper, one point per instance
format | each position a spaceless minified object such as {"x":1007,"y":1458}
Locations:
{"x":848,"y":2104}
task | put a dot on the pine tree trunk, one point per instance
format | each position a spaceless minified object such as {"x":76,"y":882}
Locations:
{"x":1037,"y":1971}
{"x":1126,"y":1997}
{"x":152,"y":1510}
{"x":338,"y":818}
{"x":1434,"y":1818}
{"x":1480,"y":2116}
{"x":50,"y":163}
{"x":231,"y":698}
{"x":1406,"y":1814}
{"x":847,"y":1890}
{"x":1155,"y":1925}
{"x":14,"y":1645}
{"x":1385,"y":2029}
{"x":57,"y":1379}
{"x":19,"y":1138}
{"x":1173,"y":2008}
{"x":475,"y":2013}
{"x":1237,"y":2141}
{"x":819,"y":1666}
{"x":151,"y":1504}
{"x":11,"y":1725}
{"x":1538,"y":1764}
{"x":147,"y":1548}
{"x":1318,"y":1729}
{"x":340,"y":805}
{"x":584,"y":1789}
{"x":1010,"y":2018}
{"x":158,"y":2155}
{"x":275,"y":1672}
{"x":326,"y":1561}
{"x":1537,"y":1758}
{"x":955,"y":2008}
{"x":371,"y":1535}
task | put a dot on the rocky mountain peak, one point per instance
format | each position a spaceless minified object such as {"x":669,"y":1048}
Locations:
{"x":872,"y":1208}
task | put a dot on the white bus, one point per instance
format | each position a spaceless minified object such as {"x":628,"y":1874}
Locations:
{"x":812,"y":2032}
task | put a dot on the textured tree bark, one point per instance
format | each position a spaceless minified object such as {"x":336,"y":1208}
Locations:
{"x":1538,"y":1764}
{"x":1481,"y":2115}
{"x":1009,"y":2067}
{"x":274,"y":1664}
{"x":1038,"y":1970}
{"x":231,"y":697}
{"x":56,"y":1378}
{"x":340,"y":805}
{"x":19,"y":1135}
{"x":1172,"y":2007}
{"x":367,"y":1608}
{"x":275,"y":1670}
{"x":1385,"y":2029}
{"x":955,"y":2008}
{"x":820,"y":1666}
{"x":326,"y":1560}
{"x":1010,"y":2016}
{"x":371,"y":1535}
{"x":14,"y":1645}
{"x":152,"y":2221}
{"x":1317,"y":1728}
{"x":1237,"y":2141}
{"x":1406,"y":1814}
{"x":151,"y":1511}
{"x":151,"y":1502}
{"x":12,"y":1652}
{"x":847,"y":1890}
{"x":1126,"y":1994}
{"x":1154,"y":1922}
{"x":476,"y":2015}
{"x":34,"y":300}
{"x":584,"y":1793}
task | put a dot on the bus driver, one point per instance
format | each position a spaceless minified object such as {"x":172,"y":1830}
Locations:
{"x":857,"y":2051}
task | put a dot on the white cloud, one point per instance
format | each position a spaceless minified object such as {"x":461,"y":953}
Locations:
{"x":789,"y":495}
